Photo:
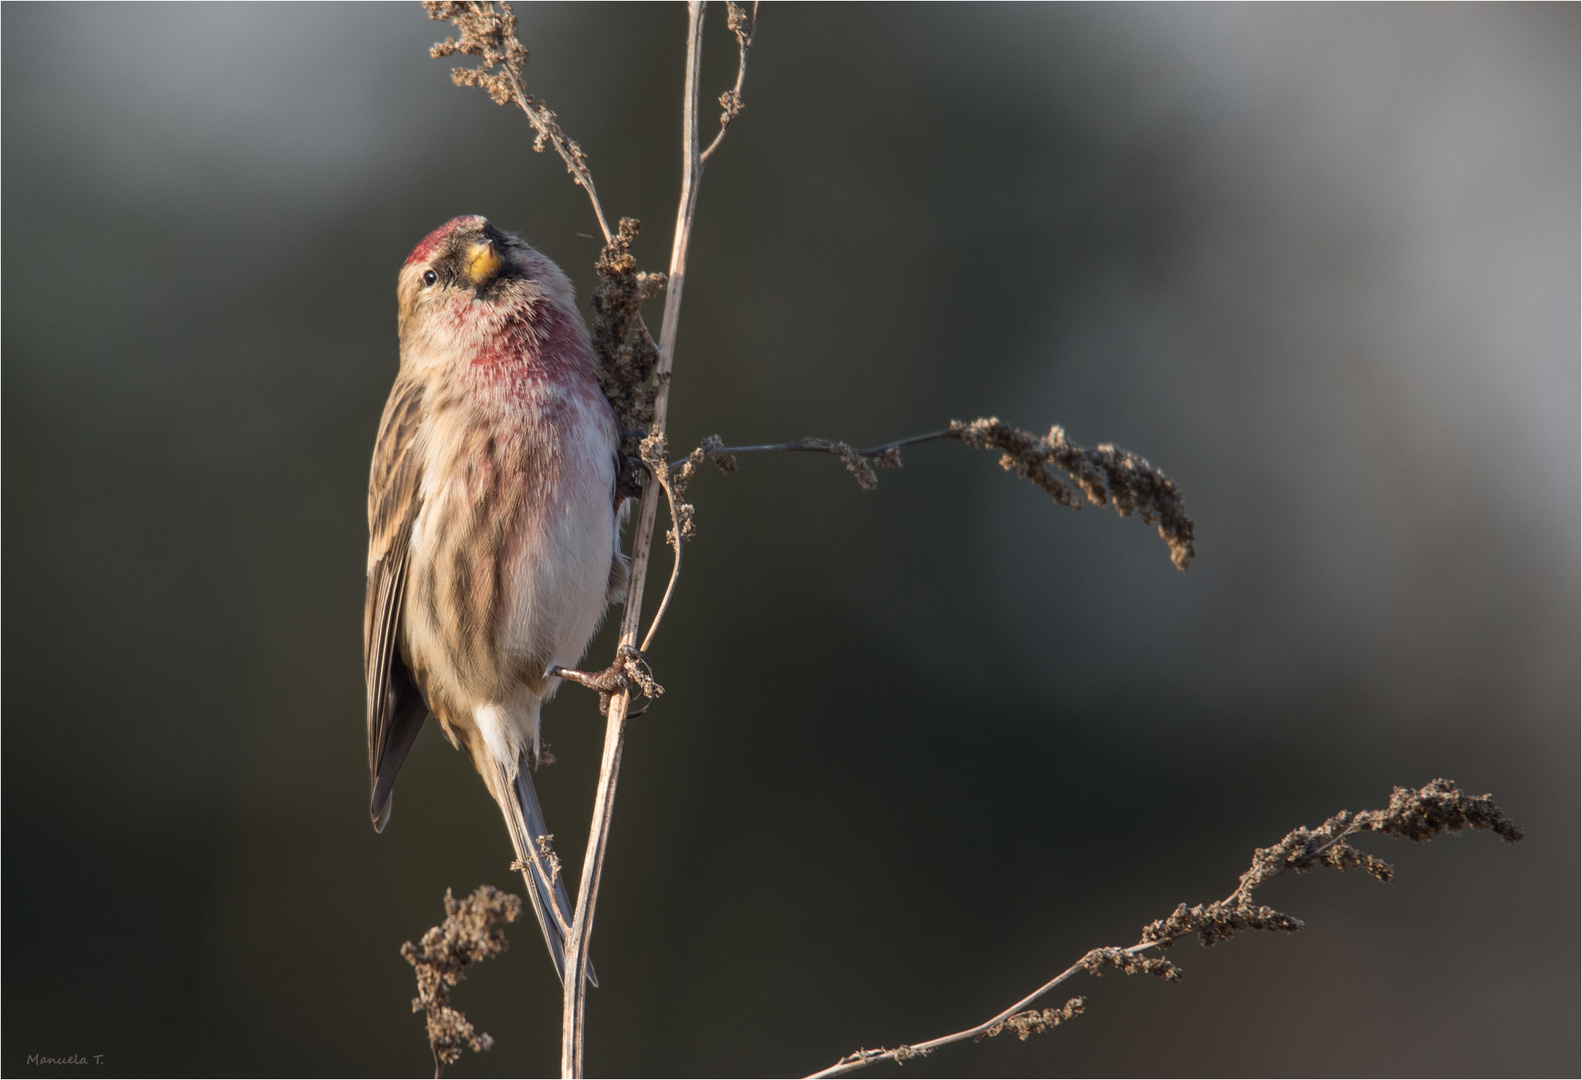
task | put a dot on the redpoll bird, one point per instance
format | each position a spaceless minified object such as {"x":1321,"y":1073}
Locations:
{"x":493,"y":546}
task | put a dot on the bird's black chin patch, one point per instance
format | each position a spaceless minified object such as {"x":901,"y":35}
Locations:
{"x":502,"y":285}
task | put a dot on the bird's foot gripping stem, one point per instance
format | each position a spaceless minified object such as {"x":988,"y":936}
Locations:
{"x":629,"y":672}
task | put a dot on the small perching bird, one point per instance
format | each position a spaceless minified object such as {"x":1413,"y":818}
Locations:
{"x":494,"y":547}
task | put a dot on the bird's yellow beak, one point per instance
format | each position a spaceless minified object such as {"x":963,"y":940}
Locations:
{"x":483,"y":262}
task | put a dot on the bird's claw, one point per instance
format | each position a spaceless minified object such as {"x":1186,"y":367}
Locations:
{"x":629,"y":672}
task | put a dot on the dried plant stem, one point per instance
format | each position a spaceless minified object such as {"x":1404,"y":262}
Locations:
{"x":574,"y":1002}
{"x":1106,"y":475}
{"x":543,"y":122}
{"x":1420,"y":815}
{"x":490,"y":35}
{"x":661,"y":479}
{"x":827,"y":446}
{"x":744,"y":26}
{"x":860,"y":1058}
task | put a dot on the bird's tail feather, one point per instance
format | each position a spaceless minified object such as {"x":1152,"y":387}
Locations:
{"x":546,"y":887}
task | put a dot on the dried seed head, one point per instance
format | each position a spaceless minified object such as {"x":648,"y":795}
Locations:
{"x":1035,"y":1021}
{"x":1107,"y":476}
{"x":468,"y":934}
{"x":624,"y":349}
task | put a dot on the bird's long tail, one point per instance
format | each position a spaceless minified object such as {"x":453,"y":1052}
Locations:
{"x":546,"y":887}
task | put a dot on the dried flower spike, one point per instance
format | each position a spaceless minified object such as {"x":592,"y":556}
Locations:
{"x":623,"y":347}
{"x":468,"y":934}
{"x":1107,"y":475}
{"x":1036,"y":1021}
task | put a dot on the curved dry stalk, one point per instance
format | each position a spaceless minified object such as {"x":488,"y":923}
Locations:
{"x":831,"y":446}
{"x":680,"y":526}
{"x":1421,"y":815}
{"x":548,"y":128}
{"x":744,"y":26}
{"x":1106,"y":474}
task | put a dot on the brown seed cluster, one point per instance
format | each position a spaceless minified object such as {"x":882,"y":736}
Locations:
{"x":857,"y":465}
{"x":490,"y":35}
{"x":1128,"y":963}
{"x":744,"y":26}
{"x":624,"y":348}
{"x":654,"y":452}
{"x":1439,"y":807}
{"x":546,"y":851}
{"x":1219,"y":921}
{"x":712,"y":449}
{"x":1436,"y":808}
{"x":1107,"y":476}
{"x":1304,"y":849}
{"x":1036,"y":1021}
{"x":468,"y":934}
{"x":860,"y":463}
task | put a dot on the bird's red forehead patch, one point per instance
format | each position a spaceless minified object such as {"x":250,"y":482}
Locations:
{"x":434,"y":240}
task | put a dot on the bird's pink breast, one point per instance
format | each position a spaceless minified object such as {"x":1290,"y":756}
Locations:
{"x":533,"y":349}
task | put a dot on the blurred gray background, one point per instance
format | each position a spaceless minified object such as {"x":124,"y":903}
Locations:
{"x":921,"y":747}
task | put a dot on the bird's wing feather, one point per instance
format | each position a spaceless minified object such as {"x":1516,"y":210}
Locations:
{"x":396,"y":709}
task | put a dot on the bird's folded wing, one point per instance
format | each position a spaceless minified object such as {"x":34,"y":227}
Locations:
{"x":396,"y":709}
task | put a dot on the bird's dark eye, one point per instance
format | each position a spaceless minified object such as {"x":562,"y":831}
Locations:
{"x":430,"y":277}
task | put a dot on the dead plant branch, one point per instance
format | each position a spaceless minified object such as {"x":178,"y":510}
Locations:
{"x":469,"y":933}
{"x":1420,"y":815}
{"x":490,"y":35}
{"x":744,"y":25}
{"x":1106,"y":474}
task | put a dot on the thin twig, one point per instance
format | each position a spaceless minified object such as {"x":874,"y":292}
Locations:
{"x":1105,"y":474}
{"x":677,"y":535}
{"x":744,"y":26}
{"x":1420,"y":815}
{"x":828,"y":446}
{"x":543,"y":122}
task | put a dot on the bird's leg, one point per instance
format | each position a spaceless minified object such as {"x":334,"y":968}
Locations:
{"x":608,"y":681}
{"x":629,"y":671}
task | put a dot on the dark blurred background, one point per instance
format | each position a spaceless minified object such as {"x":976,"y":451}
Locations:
{"x":923,"y":747}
